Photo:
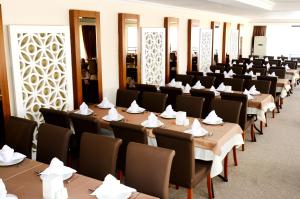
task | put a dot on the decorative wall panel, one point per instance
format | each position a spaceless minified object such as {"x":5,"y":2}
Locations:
{"x":234,"y":44}
{"x":42,"y":73}
{"x":153,"y":56}
{"x":205,"y":54}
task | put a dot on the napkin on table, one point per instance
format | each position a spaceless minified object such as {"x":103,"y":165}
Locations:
{"x":57,"y":167}
{"x":198,"y":85}
{"x":105,"y":103}
{"x":212,"y":88}
{"x":172,"y":83}
{"x":251,"y":58}
{"x":113,"y":114}
{"x":287,"y":67}
{"x":3,"y":191}
{"x":84,"y":109}
{"x":226,"y":75}
{"x":187,"y":88}
{"x":253,"y":90}
{"x":169,"y":112}
{"x":272,"y":74}
{"x":111,"y":188}
{"x":152,"y":119}
{"x":221,"y":87}
{"x":196,"y":129}
{"x":268,"y":66}
{"x":246,"y":92}
{"x":213,"y":118}
{"x":249,"y":65}
{"x":266,"y":59}
{"x":6,"y":154}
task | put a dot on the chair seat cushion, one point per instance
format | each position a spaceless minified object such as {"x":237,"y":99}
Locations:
{"x":202,"y":170}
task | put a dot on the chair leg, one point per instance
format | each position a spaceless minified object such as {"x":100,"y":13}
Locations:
{"x":261,"y":126}
{"x":235,"y":156}
{"x":226,"y":167}
{"x":120,"y":175}
{"x":266,"y":124}
{"x":252,"y":133}
{"x":209,"y":187}
{"x":189,"y":193}
{"x":273,"y":113}
{"x":244,"y":138}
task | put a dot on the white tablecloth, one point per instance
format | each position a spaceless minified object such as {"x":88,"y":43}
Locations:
{"x":292,"y":77}
{"x":283,"y":90}
{"x":208,"y":155}
{"x":260,"y":113}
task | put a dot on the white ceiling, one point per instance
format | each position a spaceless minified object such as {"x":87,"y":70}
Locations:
{"x":283,"y":10}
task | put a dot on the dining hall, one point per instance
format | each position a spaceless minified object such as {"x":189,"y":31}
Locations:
{"x":148,"y":99}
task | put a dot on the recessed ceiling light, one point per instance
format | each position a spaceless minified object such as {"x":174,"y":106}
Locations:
{"x":264,"y":4}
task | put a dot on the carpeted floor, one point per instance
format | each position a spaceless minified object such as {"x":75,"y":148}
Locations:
{"x":269,"y":168}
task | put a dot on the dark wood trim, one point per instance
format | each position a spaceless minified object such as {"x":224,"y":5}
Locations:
{"x":213,"y":24}
{"x":224,"y":43}
{"x":75,"y":49}
{"x":122,"y":48}
{"x":191,"y":23}
{"x":167,"y":21}
{"x":239,"y":33}
{"x":3,"y":75}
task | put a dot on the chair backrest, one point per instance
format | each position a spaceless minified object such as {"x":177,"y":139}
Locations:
{"x":207,"y":81}
{"x":98,"y":155}
{"x":262,"y":86}
{"x":260,"y":70}
{"x":219,"y":78}
{"x":280,"y":72}
{"x":291,"y":64}
{"x":128,"y":133}
{"x":83,"y":123}
{"x":125,"y":97}
{"x":208,"y":96}
{"x":52,"y":141}
{"x":258,"y":62}
{"x":240,"y":98}
{"x":273,"y":85}
{"x":269,"y":57}
{"x":185,"y":79}
{"x":246,"y":79}
{"x":145,"y":87}
{"x":154,"y":102}
{"x":238,"y":69}
{"x":183,"y":166}
{"x":172,"y":93}
{"x":228,"y":110}
{"x":221,"y":68}
{"x":140,"y":160}
{"x":275,"y":63}
{"x":190,"y":104}
{"x":56,"y":117}
{"x":19,"y":134}
{"x":235,"y":83}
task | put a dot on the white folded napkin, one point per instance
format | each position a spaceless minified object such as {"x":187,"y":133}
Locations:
{"x":178,"y":85}
{"x":187,"y":88}
{"x":266,"y":59}
{"x":113,"y":114}
{"x":111,"y":188}
{"x":272,"y":74}
{"x":169,"y":112}
{"x":287,"y":67}
{"x":249,"y":65}
{"x":221,"y":87}
{"x":241,"y":63}
{"x":212,"y":118}
{"x":246,"y":92}
{"x":134,"y":108}
{"x":57,"y":167}
{"x":228,"y":89}
{"x":212,"y":88}
{"x":268,"y":66}
{"x":226,"y":75}
{"x":3,"y":191}
{"x":253,"y":90}
{"x":198,"y":85}
{"x":84,"y":109}
{"x":250,"y":74}
{"x":196,"y":129}
{"x":234,"y":62}
{"x":172,"y":83}
{"x":251,"y":58}
{"x":152,"y":120}
{"x":230,"y":64}
{"x":231,"y":73}
{"x":105,"y":103}
{"x":6,"y":154}
{"x":217,"y":71}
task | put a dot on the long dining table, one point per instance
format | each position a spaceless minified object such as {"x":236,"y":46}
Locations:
{"x":22,"y":181}
{"x":210,"y":148}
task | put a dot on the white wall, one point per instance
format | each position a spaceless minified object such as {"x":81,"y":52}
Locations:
{"x":56,"y":12}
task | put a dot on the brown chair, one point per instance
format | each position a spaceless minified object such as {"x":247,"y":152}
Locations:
{"x":237,"y":69}
{"x":186,"y":171}
{"x":127,"y":133}
{"x":275,"y":63}
{"x":98,"y":155}
{"x":207,"y":81}
{"x":145,"y":87}
{"x":82,"y":123}
{"x":262,"y":71}
{"x":219,"y":78}
{"x":52,"y":141}
{"x":172,"y":93}
{"x":196,"y":75}
{"x":56,"y":117}
{"x":245,"y":121}
{"x":190,"y":104}
{"x":208,"y":96}
{"x":154,"y":102}
{"x":125,"y":97}
{"x":235,"y":83}
{"x":280,"y":72}
{"x":185,"y":79}
{"x":269,"y":57}
{"x":261,"y":85}
{"x":246,"y":79}
{"x":291,"y":64}
{"x":228,"y":110}
{"x":221,"y":68}
{"x":19,"y":134}
{"x":148,"y":169}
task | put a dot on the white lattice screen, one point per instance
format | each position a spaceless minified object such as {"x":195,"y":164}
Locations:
{"x":234,"y":44}
{"x":153,"y":56}
{"x":205,"y":54}
{"x":42,"y":71}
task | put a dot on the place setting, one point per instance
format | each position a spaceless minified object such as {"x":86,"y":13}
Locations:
{"x":169,"y":113}
{"x":9,"y":157}
{"x":84,"y":110}
{"x":113,"y":115}
{"x":213,"y":119}
{"x":134,"y":108}
{"x":152,"y":121}
{"x":105,"y":104}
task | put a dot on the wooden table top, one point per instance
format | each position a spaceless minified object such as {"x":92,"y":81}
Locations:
{"x":22,"y":181}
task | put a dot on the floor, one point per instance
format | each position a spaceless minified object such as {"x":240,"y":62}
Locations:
{"x":269,"y":168}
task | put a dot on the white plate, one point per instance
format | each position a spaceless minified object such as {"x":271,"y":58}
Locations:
{"x":145,"y":124}
{"x":213,"y":123}
{"x":168,"y":116}
{"x":13,"y":162}
{"x":90,"y":112}
{"x":64,"y":176}
{"x":120,"y":117}
{"x":105,"y":107}
{"x":141,"y":110}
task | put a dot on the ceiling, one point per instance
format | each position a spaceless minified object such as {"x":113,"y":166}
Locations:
{"x":283,"y":10}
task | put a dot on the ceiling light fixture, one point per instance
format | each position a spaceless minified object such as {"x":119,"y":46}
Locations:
{"x":264,"y":4}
